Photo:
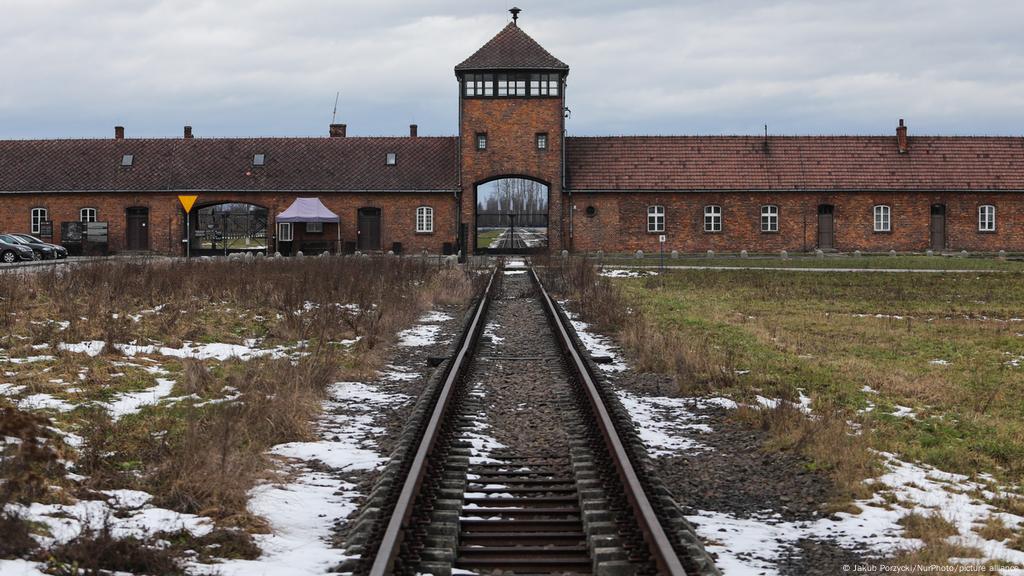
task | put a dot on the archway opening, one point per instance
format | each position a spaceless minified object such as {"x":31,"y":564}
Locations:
{"x":511,"y":216}
{"x":229,"y":227}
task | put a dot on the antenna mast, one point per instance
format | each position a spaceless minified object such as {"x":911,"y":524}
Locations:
{"x":334,"y":115}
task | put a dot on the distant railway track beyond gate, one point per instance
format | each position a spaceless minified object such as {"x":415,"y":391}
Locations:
{"x":517,"y":460}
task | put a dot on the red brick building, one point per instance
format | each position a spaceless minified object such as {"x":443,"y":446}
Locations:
{"x":512,"y":180}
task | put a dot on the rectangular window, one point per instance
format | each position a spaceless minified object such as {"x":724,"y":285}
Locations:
{"x":503,"y":85}
{"x":314,"y":227}
{"x":479,"y":85}
{"x":481,"y":140}
{"x":38,"y":217}
{"x":883,"y":220}
{"x":127,"y":160}
{"x":769,"y":218}
{"x":712,"y":218}
{"x":87,"y":215}
{"x":544,"y":85}
{"x":424,"y":219}
{"x":986,"y":218}
{"x":284,"y":231}
{"x":259,"y":159}
{"x":391,"y":159}
{"x":655,"y":218}
{"x":542,"y":141}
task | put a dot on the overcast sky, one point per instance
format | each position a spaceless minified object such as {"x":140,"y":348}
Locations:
{"x":75,"y":68}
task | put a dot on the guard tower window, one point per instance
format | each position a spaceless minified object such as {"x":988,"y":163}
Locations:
{"x":479,"y":85}
{"x":481,"y":140}
{"x":544,"y":85}
{"x":511,"y":85}
{"x":542,"y":141}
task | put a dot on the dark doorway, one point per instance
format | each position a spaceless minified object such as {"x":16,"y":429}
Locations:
{"x":369,"y":229}
{"x":938,"y":226}
{"x":511,"y":216}
{"x":826,"y":227}
{"x":137,"y":229}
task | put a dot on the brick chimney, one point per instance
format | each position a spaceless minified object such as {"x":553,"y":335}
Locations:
{"x":413,"y":130}
{"x":188,"y":132}
{"x":901,"y":137}
{"x":338,"y":130}
{"x":118,"y":132}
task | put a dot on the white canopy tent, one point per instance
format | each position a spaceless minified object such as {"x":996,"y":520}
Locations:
{"x":305,"y":210}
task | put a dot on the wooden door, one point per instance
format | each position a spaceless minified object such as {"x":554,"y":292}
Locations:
{"x":137,"y":229}
{"x":826,"y":227}
{"x":938,"y":227}
{"x":369,"y":229}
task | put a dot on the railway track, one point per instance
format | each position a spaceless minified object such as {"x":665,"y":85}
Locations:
{"x":517,"y":461}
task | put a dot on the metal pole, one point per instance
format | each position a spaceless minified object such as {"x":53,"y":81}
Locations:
{"x":188,"y":235}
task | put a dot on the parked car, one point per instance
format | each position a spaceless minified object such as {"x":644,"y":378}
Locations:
{"x":42,"y":250}
{"x":59,"y":251}
{"x":13,"y":251}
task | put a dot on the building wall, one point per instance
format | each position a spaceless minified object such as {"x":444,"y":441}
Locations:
{"x":511,"y":125}
{"x":167,"y":224}
{"x":619,"y":223}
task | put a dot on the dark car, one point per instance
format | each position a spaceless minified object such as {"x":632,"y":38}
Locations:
{"x":59,"y":251}
{"x":42,"y":251}
{"x":12,"y":250}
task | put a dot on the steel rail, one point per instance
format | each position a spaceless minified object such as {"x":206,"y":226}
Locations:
{"x":387,"y":552}
{"x":657,"y":540}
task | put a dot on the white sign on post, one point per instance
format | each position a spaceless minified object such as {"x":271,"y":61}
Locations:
{"x":661,"y":238}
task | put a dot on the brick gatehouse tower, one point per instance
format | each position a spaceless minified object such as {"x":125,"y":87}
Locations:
{"x":511,"y":145}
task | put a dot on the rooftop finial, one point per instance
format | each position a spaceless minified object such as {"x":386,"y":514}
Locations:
{"x":515,"y":14}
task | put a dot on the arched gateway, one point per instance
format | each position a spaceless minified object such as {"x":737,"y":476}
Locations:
{"x":511,"y":215}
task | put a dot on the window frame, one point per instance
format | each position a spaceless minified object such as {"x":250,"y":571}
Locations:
{"x":82,"y":214}
{"x":36,"y":223}
{"x":391,"y":159}
{"x":986,"y":218}
{"x":656,"y":219}
{"x":262,"y":160}
{"x":480,"y":137}
{"x":127,"y":160}
{"x":512,"y":85}
{"x":542,"y":141}
{"x":770,"y":216}
{"x":281,"y":235}
{"x":713,"y":216}
{"x":424,"y":219}
{"x":314,"y":227}
{"x":881,"y":218}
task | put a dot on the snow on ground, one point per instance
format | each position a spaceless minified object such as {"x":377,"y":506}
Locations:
{"x":426,"y":332}
{"x":596,"y":344}
{"x":216,"y":351}
{"x":131,"y":402}
{"x":303,"y":511}
{"x":753,"y":544}
{"x":668,"y":425}
{"x":490,"y":331}
{"x":626,"y":273}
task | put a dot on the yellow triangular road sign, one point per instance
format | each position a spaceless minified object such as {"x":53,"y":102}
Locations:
{"x":187,"y":202}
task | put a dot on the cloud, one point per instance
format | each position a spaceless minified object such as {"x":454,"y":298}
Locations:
{"x":262,"y":67}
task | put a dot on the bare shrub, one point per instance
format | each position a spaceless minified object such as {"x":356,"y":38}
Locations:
{"x":30,"y":462}
{"x":98,"y":552}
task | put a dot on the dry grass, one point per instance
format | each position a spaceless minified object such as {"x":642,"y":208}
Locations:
{"x":994,"y":529}
{"x":934,"y":531}
{"x":98,"y":552}
{"x":700,"y":363}
{"x":201,"y":455}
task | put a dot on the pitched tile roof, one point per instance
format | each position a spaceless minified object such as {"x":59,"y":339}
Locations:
{"x":311,"y":164}
{"x":512,"y":49}
{"x":794,"y":163}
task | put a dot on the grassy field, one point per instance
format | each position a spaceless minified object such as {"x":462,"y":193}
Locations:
{"x":926,"y":366}
{"x":831,"y":261}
